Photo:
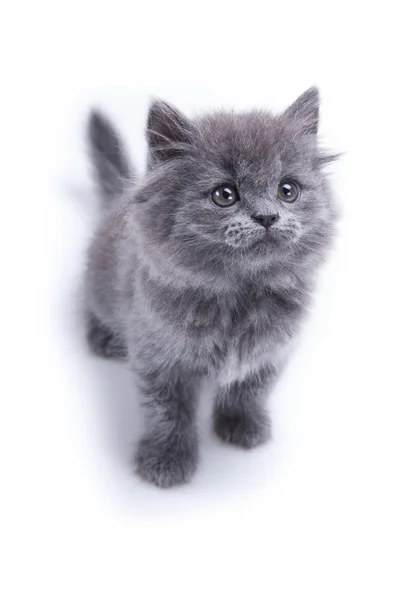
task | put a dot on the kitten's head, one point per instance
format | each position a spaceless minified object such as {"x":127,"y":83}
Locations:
{"x":232,"y":193}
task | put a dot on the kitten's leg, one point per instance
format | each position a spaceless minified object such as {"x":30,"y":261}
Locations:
{"x":103,"y":341}
{"x":240,"y":417}
{"x":167,"y":455}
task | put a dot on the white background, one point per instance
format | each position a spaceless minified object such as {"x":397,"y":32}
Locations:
{"x":315,"y":513}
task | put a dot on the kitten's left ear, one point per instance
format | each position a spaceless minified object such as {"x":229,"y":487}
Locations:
{"x":305,"y":111}
{"x":168,"y":131}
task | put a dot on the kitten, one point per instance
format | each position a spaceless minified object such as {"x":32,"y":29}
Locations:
{"x":205,"y":265}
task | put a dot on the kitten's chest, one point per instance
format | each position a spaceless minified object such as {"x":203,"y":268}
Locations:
{"x":238,"y":363}
{"x":241,"y":337}
{"x":230,"y":336}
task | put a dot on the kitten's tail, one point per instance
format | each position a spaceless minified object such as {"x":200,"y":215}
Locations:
{"x":109,"y":157}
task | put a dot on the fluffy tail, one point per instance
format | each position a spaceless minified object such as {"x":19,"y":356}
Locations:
{"x":108,"y":156}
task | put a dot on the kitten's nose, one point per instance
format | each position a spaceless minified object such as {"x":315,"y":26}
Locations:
{"x":266,"y":220}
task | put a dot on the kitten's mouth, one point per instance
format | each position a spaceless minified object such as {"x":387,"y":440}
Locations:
{"x":268,"y":237}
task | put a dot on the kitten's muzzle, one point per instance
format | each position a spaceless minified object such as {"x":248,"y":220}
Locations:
{"x":266,"y":220}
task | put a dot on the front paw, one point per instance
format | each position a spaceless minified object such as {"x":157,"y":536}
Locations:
{"x":241,"y":429}
{"x":166,"y":464}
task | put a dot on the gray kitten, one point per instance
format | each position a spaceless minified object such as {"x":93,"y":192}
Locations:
{"x":205,"y":265}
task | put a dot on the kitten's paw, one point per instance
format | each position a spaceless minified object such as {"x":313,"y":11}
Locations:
{"x":165,"y":465}
{"x":241,"y":430}
{"x":104,"y":342}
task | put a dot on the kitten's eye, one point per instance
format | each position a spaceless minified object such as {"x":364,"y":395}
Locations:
{"x":288,"y":191}
{"x":225,"y":195}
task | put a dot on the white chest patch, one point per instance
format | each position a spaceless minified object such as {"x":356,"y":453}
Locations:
{"x":237,"y":370}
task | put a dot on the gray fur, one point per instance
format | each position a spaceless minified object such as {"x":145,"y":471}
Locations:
{"x":187,"y":289}
{"x":108,"y":156}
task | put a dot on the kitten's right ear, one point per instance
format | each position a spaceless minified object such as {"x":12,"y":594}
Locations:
{"x":305,"y":111}
{"x":168,"y":131}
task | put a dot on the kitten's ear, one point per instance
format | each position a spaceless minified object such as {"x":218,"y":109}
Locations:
{"x":168,"y":131}
{"x":305,"y":111}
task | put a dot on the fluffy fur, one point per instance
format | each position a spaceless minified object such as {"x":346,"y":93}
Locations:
{"x":186,"y":289}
